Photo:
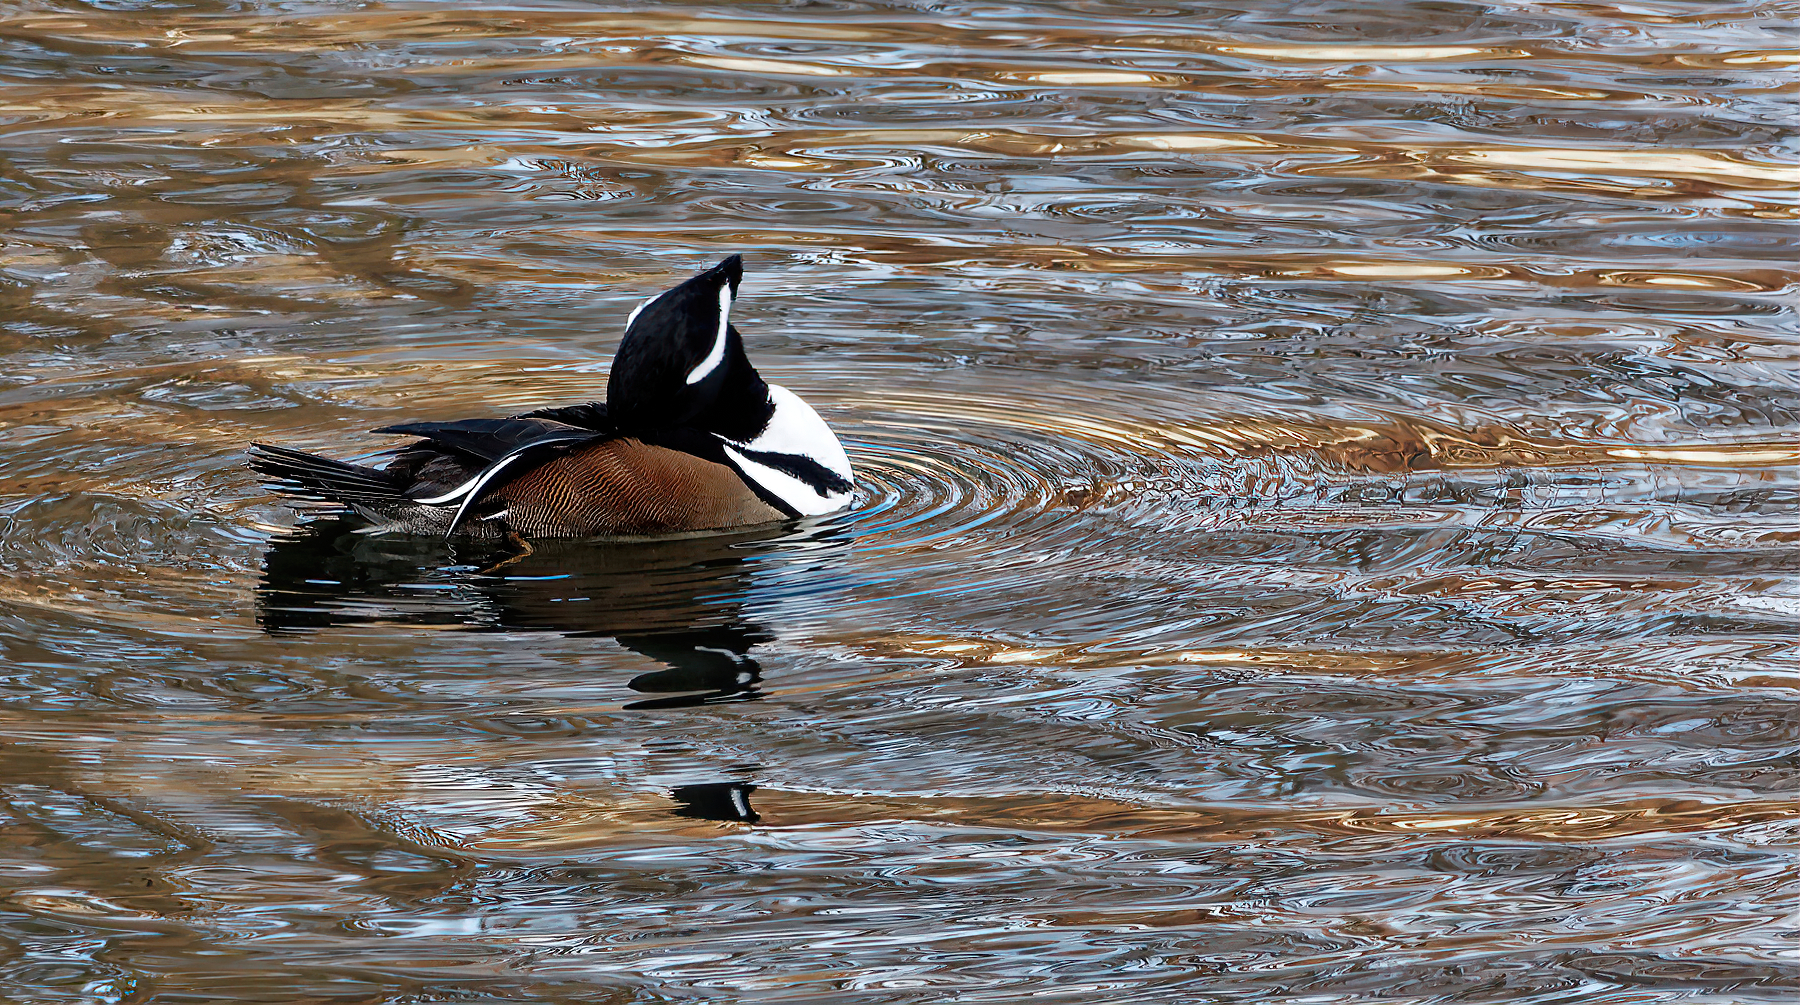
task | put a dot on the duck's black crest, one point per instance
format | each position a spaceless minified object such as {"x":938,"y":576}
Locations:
{"x":682,"y":363}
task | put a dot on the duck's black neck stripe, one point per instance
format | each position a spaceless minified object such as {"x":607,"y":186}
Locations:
{"x":806,"y":469}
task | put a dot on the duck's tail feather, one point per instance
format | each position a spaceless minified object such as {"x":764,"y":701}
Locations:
{"x":309,"y":476}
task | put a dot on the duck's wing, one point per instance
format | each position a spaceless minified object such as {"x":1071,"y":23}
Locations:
{"x":588,"y":415}
{"x":479,"y":456}
{"x":489,"y":440}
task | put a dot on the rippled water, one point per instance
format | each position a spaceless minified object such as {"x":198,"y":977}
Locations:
{"x":1328,"y":525}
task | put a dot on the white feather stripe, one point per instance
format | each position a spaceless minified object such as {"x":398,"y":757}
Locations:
{"x":801,"y":497}
{"x":470,"y":490}
{"x":717,"y":354}
{"x":481,"y":482}
{"x":639,"y":309}
{"x":453,"y":494}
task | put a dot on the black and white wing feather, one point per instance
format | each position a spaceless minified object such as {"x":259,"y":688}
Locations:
{"x":503,"y":449}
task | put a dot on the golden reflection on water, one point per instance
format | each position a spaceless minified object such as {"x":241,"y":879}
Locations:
{"x":1326,"y":524}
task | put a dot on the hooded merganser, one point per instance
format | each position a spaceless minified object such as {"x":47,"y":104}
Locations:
{"x":690,"y":437}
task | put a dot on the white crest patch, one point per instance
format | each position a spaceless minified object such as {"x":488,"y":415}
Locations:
{"x":639,"y":309}
{"x":717,"y":355}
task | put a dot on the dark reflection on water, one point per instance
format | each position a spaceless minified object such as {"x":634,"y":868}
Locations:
{"x":677,"y":601}
{"x":1326,"y":532}
{"x":728,"y":801}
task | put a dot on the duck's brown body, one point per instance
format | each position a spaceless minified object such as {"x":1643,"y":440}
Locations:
{"x":585,"y":483}
{"x":625,"y":486}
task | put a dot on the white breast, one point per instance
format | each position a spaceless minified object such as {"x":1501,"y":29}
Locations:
{"x":795,"y":430}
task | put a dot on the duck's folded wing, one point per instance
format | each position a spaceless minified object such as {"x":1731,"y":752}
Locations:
{"x":488,"y":439}
{"x":590,"y":415}
{"x":510,"y":447}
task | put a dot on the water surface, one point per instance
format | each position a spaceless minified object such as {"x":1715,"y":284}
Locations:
{"x":1327,"y":527}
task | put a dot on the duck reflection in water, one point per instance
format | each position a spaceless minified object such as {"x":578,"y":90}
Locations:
{"x":726,"y":801}
{"x":679,"y":601}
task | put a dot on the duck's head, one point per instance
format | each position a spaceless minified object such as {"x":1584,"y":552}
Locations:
{"x":682,"y":366}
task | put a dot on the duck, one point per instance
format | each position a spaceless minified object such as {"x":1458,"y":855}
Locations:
{"x":690,"y":438}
